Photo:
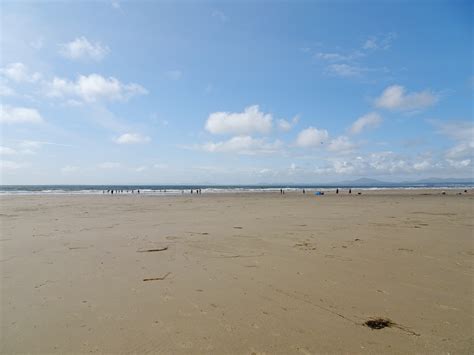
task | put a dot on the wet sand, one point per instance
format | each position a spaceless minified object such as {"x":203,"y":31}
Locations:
{"x":237,"y":273}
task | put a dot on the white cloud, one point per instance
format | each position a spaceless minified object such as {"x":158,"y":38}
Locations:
{"x":249,"y":121}
{"x":385,"y":42}
{"x":331,"y":56}
{"x":459,"y":164}
{"x":422,"y":165}
{"x":109,"y":165}
{"x":337,"y":57}
{"x":311,"y":137}
{"x":9,"y":114}
{"x":370,"y":43}
{"x":174,"y":74}
{"x":94,"y":87}
{"x":6,"y":165}
{"x":395,"y":98}
{"x":68,"y":169}
{"x":6,"y":91}
{"x":116,"y":5}
{"x":243,"y":145}
{"x":132,"y":138}
{"x":285,"y":125}
{"x":20,"y":73}
{"x":341,"y":144}
{"x":378,"y":163}
{"x":7,"y":151}
{"x":81,"y":48}
{"x":141,"y":169}
{"x":461,"y":150}
{"x":370,"y":120}
{"x":456,"y":130}
{"x":345,"y":70}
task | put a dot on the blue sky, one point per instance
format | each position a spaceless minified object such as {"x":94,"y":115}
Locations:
{"x":235,"y":92}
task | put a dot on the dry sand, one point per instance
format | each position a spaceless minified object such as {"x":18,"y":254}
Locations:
{"x":242,"y":273}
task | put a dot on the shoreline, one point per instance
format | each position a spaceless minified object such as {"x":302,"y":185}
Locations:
{"x":272,"y":190}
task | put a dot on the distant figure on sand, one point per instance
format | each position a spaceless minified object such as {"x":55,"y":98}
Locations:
{"x":350,"y":191}
{"x":337,"y":191}
{"x":304,"y":191}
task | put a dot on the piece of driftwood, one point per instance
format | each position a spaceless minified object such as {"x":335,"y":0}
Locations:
{"x":157,"y":278}
{"x":152,"y":250}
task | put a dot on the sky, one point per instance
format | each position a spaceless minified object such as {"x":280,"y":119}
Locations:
{"x":235,"y":92}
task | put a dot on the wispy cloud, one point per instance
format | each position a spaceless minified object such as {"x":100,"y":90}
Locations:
{"x":243,"y":145}
{"x":395,"y":98}
{"x":381,"y":42}
{"x":370,"y":120}
{"x":82,"y":48}
{"x":132,"y":138}
{"x":13,"y":115}
{"x":19,"y":72}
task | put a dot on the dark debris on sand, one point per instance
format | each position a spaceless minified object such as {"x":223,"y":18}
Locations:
{"x":379,"y":323}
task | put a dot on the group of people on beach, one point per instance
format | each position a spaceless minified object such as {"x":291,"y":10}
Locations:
{"x":120,"y":191}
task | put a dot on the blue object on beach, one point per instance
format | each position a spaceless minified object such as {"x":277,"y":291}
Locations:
{"x":318,"y":193}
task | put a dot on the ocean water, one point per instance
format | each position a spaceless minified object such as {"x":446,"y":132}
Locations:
{"x":186,"y":189}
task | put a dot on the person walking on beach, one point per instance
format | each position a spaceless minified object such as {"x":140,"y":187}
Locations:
{"x":337,"y":191}
{"x":304,"y":192}
{"x":350,"y":191}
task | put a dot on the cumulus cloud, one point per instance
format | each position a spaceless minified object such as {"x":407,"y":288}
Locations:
{"x":395,"y":98}
{"x":243,"y":145}
{"x":341,"y":144}
{"x":311,"y":137}
{"x":93,"y":87}
{"x":132,"y":138}
{"x":252,"y":120}
{"x":12,"y":115}
{"x":285,"y":125}
{"x":370,"y":120}
{"x":82,"y":48}
{"x":19,"y":72}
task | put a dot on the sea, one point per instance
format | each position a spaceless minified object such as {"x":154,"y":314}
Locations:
{"x":186,"y":189}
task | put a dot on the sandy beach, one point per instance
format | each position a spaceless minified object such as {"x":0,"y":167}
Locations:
{"x":237,"y":273}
